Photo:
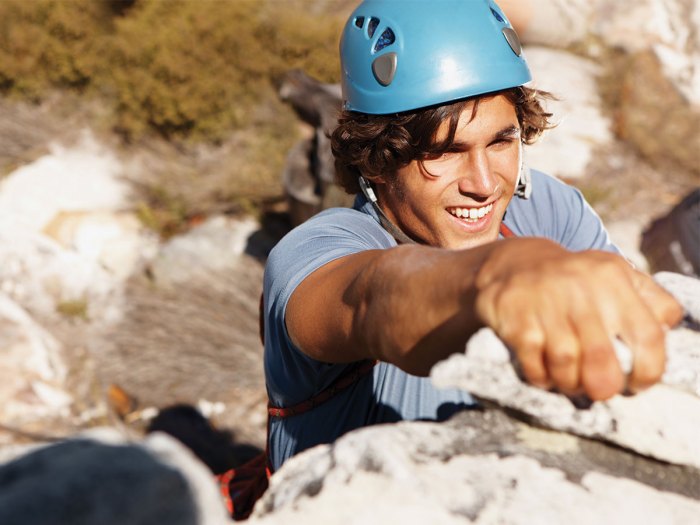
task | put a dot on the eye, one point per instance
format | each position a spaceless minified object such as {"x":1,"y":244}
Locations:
{"x":503,"y":142}
{"x":442,"y":157}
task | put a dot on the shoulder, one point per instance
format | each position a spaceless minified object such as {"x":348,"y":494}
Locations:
{"x":292,"y":376}
{"x":551,"y":201}
{"x":558,"y":212}
{"x":331,"y":234}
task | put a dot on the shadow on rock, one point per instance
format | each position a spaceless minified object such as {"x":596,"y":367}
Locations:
{"x":215,"y":448}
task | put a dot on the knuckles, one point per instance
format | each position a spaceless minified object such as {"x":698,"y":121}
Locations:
{"x":578,"y":287}
{"x":563,"y":358}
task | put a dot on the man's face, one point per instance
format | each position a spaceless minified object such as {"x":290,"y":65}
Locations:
{"x":458,"y":200}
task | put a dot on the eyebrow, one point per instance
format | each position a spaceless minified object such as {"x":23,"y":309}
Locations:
{"x":508,"y":132}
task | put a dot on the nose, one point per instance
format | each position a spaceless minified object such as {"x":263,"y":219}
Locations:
{"x":477,"y":180}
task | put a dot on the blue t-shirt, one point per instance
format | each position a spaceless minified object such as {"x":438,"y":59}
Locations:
{"x":387,"y":394}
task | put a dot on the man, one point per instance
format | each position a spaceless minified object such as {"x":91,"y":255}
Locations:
{"x":431,"y":140}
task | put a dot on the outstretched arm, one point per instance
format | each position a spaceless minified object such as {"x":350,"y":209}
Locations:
{"x":414,"y":305}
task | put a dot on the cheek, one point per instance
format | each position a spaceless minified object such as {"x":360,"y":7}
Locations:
{"x":506,"y":164}
{"x":440,"y":167}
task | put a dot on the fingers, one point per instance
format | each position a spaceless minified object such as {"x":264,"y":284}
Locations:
{"x":663,"y":305}
{"x":641,"y":328}
{"x":562,"y":356}
{"x":520,"y":330}
{"x":530,"y":345}
{"x":601,"y":373}
{"x":561,"y":320}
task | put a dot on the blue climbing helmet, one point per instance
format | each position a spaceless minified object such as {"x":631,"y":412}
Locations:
{"x":400,"y":55}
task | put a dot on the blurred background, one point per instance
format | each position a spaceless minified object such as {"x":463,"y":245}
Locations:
{"x":153,"y":151}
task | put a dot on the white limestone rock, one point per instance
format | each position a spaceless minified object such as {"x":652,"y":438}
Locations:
{"x":557,"y":23}
{"x":202,"y":252}
{"x":64,"y":232}
{"x":40,"y":274}
{"x":669,"y":28}
{"x":417,"y":473}
{"x":82,"y":177}
{"x":115,"y":240}
{"x":685,"y":289}
{"x":642,"y":422}
{"x":566,"y":150}
{"x":32,"y":369}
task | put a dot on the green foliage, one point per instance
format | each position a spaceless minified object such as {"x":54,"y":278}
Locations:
{"x":76,"y":309}
{"x":295,"y":39}
{"x":165,"y":213}
{"x":47,"y":43}
{"x":183,"y":68}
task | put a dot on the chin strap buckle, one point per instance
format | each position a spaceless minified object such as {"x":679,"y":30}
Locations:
{"x":524,"y":186}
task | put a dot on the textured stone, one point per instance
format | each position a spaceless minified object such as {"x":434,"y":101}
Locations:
{"x":581,"y":127}
{"x":40,"y":274}
{"x":116,"y":241}
{"x":100,"y":478}
{"x":481,"y":467}
{"x":81,"y":177}
{"x":642,"y":422}
{"x":203,"y":251}
{"x":32,"y":369}
{"x":669,"y":28}
{"x":557,"y":23}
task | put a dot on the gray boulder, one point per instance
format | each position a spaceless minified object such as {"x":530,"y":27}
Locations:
{"x":100,"y":479}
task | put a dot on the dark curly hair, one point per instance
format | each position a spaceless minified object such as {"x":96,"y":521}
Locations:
{"x":379,"y":145}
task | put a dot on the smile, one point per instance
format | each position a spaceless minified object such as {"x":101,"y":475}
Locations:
{"x":471,"y":214}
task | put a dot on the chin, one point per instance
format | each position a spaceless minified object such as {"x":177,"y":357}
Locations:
{"x":472,"y":241}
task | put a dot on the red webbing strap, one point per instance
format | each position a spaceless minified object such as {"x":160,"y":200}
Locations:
{"x":348,"y":378}
{"x":242,"y":486}
{"x":506,"y":231}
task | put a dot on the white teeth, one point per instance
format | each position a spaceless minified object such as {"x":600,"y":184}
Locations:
{"x":471,"y":214}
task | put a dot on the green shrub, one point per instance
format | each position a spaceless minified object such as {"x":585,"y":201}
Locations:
{"x":182,"y":68}
{"x":46,"y":43}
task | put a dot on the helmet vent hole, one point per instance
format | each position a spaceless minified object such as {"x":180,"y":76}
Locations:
{"x":372,"y":26}
{"x":498,"y":16}
{"x":386,"y":39}
{"x":359,"y":21}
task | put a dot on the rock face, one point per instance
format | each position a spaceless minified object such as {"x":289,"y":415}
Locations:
{"x":581,"y":126}
{"x":89,"y":297}
{"x":32,"y":369}
{"x":671,"y":242}
{"x":309,"y":174}
{"x":652,"y":52}
{"x":530,"y":456}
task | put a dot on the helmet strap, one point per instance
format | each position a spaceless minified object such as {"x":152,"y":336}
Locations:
{"x":389,"y":226}
{"x":523,"y":188}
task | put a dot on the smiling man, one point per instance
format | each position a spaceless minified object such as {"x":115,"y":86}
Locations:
{"x":449,"y":233}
